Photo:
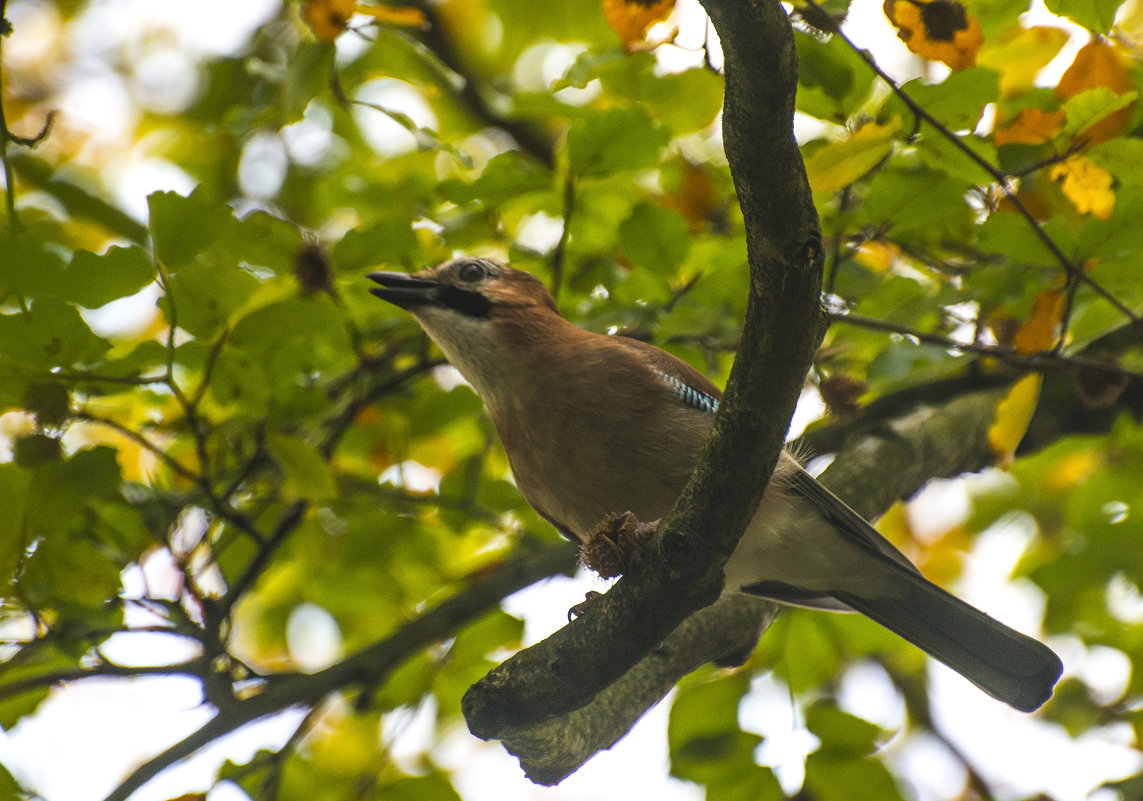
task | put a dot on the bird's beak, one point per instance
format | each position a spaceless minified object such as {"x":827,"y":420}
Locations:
{"x":404,"y":290}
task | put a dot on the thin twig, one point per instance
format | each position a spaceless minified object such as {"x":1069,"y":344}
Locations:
{"x":1032,"y":361}
{"x":368,"y":666}
{"x":194,"y":668}
{"x":559,"y":254}
{"x":1002,"y":180}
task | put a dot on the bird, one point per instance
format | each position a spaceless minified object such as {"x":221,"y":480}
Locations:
{"x":595,"y":426}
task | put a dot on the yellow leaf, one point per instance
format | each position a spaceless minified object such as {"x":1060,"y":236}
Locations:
{"x":1032,"y":126}
{"x":895,"y":525}
{"x":1039,"y":333}
{"x":939,"y":30}
{"x":1019,"y":54}
{"x":1099,"y":64}
{"x":1086,"y":185}
{"x":631,"y":18}
{"x":839,"y":164}
{"x":1013,"y":414}
{"x":403,"y":16}
{"x":877,"y":257}
{"x":328,"y":18}
{"x":1070,"y":470}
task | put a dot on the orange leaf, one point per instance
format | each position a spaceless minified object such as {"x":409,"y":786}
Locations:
{"x":694,"y":196}
{"x":327,"y":18}
{"x":1086,"y":185}
{"x":939,"y":30}
{"x":1099,"y":64}
{"x":1013,"y":414}
{"x":1039,"y":333}
{"x":631,"y":18}
{"x":1032,"y":126}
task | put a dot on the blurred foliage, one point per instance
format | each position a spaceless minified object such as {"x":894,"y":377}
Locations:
{"x":198,"y":394}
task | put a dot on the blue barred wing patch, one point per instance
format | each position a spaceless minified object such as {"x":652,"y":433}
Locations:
{"x":689,"y":395}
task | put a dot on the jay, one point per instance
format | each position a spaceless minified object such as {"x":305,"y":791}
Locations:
{"x":582,"y":452}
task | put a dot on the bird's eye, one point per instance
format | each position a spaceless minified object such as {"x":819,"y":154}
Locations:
{"x":471,"y":272}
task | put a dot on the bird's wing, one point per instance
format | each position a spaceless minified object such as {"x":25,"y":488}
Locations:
{"x":846,"y":521}
{"x":688,"y":384}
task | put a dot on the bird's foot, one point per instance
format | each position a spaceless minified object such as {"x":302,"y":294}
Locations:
{"x":590,"y":597}
{"x":614,"y":546}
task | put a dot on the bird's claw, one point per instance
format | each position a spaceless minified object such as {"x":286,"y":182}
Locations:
{"x":590,"y":597}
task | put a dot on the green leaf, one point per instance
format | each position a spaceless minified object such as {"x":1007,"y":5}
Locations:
{"x":35,"y":449}
{"x":683,"y":101}
{"x":1092,"y":105}
{"x":9,"y":787}
{"x":958,"y":101}
{"x":183,"y":227}
{"x":29,"y":269}
{"x":1123,"y":158}
{"x":92,"y":281}
{"x":1120,"y":235}
{"x":842,"y":734}
{"x":261,"y":240}
{"x":432,"y":787}
{"x":307,"y":474}
{"x":383,"y":242}
{"x":613,"y":141}
{"x":1095,"y":15}
{"x":60,"y":489}
{"x":31,"y":660}
{"x":831,"y":778}
{"x":832,"y":79}
{"x":203,"y":295}
{"x":839,"y":164}
{"x":810,"y":658}
{"x":655,"y":238}
{"x":50,"y":334}
{"x":996,"y":16}
{"x":940,"y":153}
{"x":239,"y":380}
{"x":70,"y":574}
{"x":703,"y":732}
{"x":82,"y":202}
{"x":918,"y":203}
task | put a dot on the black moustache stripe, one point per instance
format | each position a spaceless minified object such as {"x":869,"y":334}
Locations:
{"x":472,"y":304}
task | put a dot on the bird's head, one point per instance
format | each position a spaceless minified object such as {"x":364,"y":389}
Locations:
{"x":477,"y":310}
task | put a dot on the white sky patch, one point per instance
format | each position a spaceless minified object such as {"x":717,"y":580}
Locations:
{"x":134,"y":181}
{"x":413,"y":476}
{"x":768,"y":710}
{"x":124,"y":317}
{"x":310,"y":140}
{"x":166,"y":80}
{"x":539,"y":232}
{"x":384,"y":134}
{"x":313,"y":637}
{"x":262,"y":165}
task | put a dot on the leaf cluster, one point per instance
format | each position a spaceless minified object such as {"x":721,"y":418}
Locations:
{"x":198,"y":394}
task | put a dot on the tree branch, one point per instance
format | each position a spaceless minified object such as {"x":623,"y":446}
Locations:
{"x":682,"y":571}
{"x":368,"y":667}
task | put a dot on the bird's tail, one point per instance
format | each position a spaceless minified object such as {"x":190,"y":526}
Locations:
{"x":1001,"y":661}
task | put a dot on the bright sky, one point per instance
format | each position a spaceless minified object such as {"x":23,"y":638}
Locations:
{"x":85,"y":737}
